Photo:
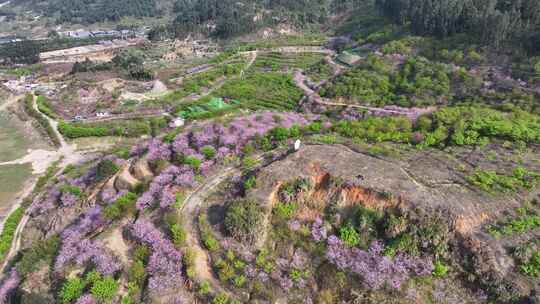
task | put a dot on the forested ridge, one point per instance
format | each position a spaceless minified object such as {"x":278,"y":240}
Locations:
{"x":229,"y":17}
{"x":90,"y":11}
{"x":493,"y":22}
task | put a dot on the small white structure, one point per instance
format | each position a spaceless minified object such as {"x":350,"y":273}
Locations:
{"x":177,"y":122}
{"x":297,"y":145}
{"x":102,"y":114}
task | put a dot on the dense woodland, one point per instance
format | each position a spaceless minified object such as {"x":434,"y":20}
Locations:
{"x":91,"y":11}
{"x":232,"y":17}
{"x":494,"y":22}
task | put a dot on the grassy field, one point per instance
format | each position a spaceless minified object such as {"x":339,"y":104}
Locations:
{"x":12,"y":180}
{"x":15,"y":141}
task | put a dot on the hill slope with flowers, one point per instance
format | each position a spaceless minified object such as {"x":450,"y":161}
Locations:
{"x":417,"y":179}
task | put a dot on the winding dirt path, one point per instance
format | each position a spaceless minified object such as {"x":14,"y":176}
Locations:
{"x":412,"y":113}
{"x":66,"y":153}
{"x":189,"y":214}
{"x":251,"y":61}
{"x":16,"y":243}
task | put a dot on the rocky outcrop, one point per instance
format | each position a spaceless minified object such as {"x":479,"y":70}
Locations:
{"x":428,"y":184}
{"x":428,"y":181}
{"x":125,"y":181}
{"x":141,"y":170}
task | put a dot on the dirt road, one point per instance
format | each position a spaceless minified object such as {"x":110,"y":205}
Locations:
{"x":189,"y":214}
{"x":41,"y":160}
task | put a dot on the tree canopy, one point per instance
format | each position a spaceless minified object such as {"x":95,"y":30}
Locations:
{"x":492,"y":21}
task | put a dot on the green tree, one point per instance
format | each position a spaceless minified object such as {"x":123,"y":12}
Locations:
{"x":243,"y":220}
{"x":71,"y":290}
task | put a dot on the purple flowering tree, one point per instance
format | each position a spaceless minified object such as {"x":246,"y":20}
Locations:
{"x":377,"y":270}
{"x":80,"y":250}
{"x":9,"y":285}
{"x":226,"y":141}
{"x":86,"y":299}
{"x":165,"y":263}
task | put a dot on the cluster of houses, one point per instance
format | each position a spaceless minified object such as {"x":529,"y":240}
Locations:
{"x":26,"y":84}
{"x":82,"y":34}
{"x":9,"y":39}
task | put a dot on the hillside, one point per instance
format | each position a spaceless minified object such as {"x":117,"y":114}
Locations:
{"x":303,"y":152}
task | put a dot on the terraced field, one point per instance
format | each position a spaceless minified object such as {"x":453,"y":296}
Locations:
{"x":286,"y":61}
{"x":263,"y":91}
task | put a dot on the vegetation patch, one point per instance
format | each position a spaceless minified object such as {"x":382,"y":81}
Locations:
{"x":125,"y":128}
{"x":286,"y":61}
{"x":8,"y":233}
{"x":525,"y":219}
{"x":418,"y":82}
{"x":263,"y":91}
{"x":43,"y":122}
{"x":491,"y":181}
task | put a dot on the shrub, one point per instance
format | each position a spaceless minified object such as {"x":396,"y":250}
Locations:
{"x":209,"y":241}
{"x":537,"y":66}
{"x":44,"y":179}
{"x":178,"y":235}
{"x":263,"y":91}
{"x":377,"y":129}
{"x":76,"y":131}
{"x":242,"y":220}
{"x":475,"y":57}
{"x":204,"y":289}
{"x":220,"y":299}
{"x":44,"y":107}
{"x":239,"y":281}
{"x":248,"y":163}
{"x":141,"y":253}
{"x":124,"y":205}
{"x":42,"y":251}
{"x":491,"y":181}
{"x":193,"y":162}
{"x":225,"y":270}
{"x":532,"y":267}
{"x":248,"y":149}
{"x":475,"y":125}
{"x":105,"y":289}
{"x":71,"y":189}
{"x":105,"y":169}
{"x":209,"y":152}
{"x":180,"y":198}
{"x":250,"y":183}
{"x":440,"y":269}
{"x":112,"y":212}
{"x":285,"y":210}
{"x":92,"y":277}
{"x":349,"y":235}
{"x":127,"y":128}
{"x":279,"y":134}
{"x":396,"y":47}
{"x":137,"y":273}
{"x":71,"y":290}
